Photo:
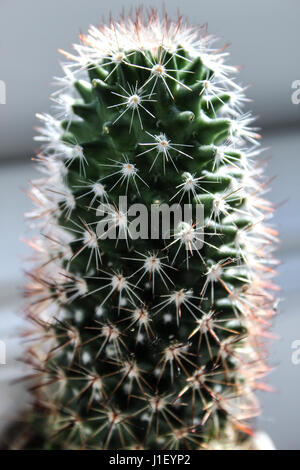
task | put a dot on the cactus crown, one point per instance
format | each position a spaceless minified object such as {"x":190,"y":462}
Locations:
{"x":149,"y":343}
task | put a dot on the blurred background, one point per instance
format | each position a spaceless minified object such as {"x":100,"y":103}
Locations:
{"x":265,"y":39}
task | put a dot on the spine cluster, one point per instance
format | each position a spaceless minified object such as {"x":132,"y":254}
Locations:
{"x":149,"y":343}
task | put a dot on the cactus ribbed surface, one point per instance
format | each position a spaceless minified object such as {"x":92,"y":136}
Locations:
{"x":149,"y":343}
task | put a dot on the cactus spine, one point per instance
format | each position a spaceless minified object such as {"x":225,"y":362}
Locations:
{"x":148,"y":343}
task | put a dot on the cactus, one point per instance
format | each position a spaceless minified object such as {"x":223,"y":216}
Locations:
{"x":149,"y":343}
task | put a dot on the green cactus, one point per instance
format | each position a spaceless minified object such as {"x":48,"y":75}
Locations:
{"x":149,"y":342}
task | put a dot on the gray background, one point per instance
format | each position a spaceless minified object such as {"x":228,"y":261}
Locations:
{"x":265,"y":42}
